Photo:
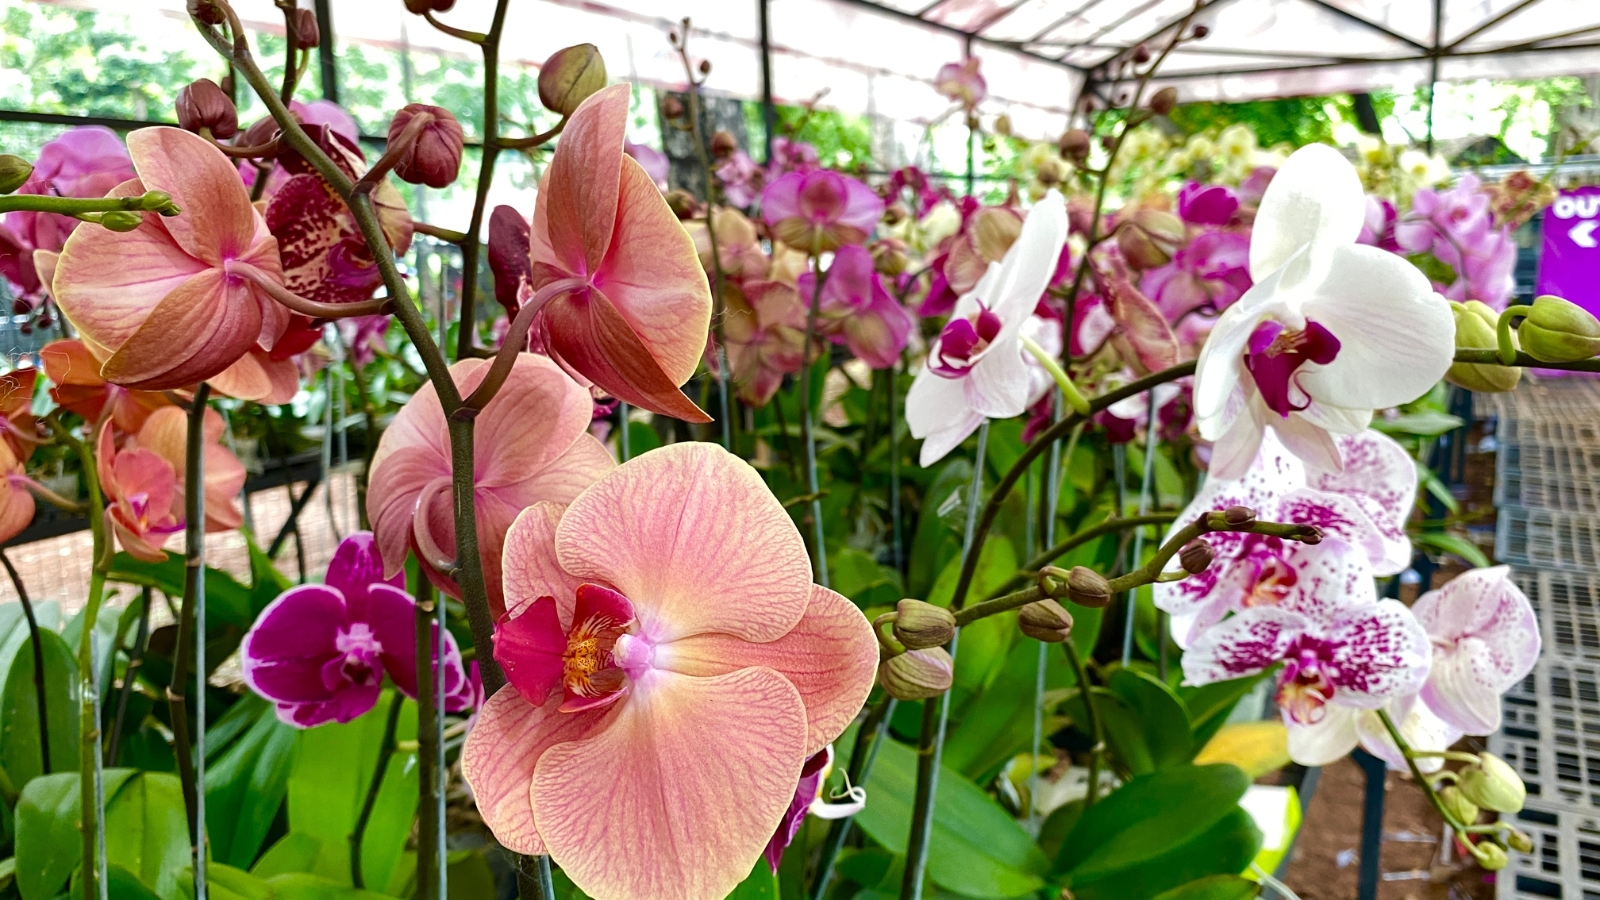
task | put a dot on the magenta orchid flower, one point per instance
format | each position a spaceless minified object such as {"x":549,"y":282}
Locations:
{"x":1360,"y":511}
{"x":1206,"y":276}
{"x":962,"y":82}
{"x":855,"y":309}
{"x":1457,"y":227}
{"x":975,"y":367}
{"x":809,"y":800}
{"x":653,"y":161}
{"x":672,"y":668}
{"x":178,"y":299}
{"x":791,"y":156}
{"x":83,"y":162}
{"x":1330,"y":331}
{"x":740,"y":178}
{"x":1206,"y":204}
{"x":319,"y":652}
{"x":820,"y":210}
{"x":532,"y":444}
{"x":1485,"y":639}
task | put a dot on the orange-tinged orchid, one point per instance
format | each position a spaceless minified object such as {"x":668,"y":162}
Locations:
{"x":633,"y":319}
{"x":16,"y":503}
{"x":531,"y":443}
{"x":165,"y":433}
{"x":19,"y":428}
{"x":259,"y":376}
{"x":79,"y":387}
{"x":672,"y":668}
{"x":143,"y":506}
{"x":176,"y":300}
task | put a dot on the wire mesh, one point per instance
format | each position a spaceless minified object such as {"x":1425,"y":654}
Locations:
{"x":1564,"y":862}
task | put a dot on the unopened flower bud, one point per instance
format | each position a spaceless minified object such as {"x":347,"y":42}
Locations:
{"x":1490,"y":855}
{"x":1045,"y":620}
{"x":1149,"y":238}
{"x":156,"y":200}
{"x":920,"y":625}
{"x":1074,"y":144}
{"x":1457,"y":804}
{"x":121,"y":220}
{"x":14,"y":172}
{"x":672,"y":107}
{"x":889,"y":258}
{"x":418,"y":7}
{"x":202,"y":104}
{"x":1200,"y":31}
{"x":1196,"y":556}
{"x":1558,"y":330}
{"x":683,"y":204}
{"x":1519,"y":841}
{"x":1002,"y":124}
{"x":1141,"y":54}
{"x":207,"y":12}
{"x":917,"y":674}
{"x":1493,"y":785}
{"x":1238,"y":515}
{"x":307,"y":33}
{"x":723,"y":144}
{"x":1475,"y":330}
{"x":705,"y":67}
{"x":1049,"y":172}
{"x":1164,"y":100}
{"x":1086,"y":587}
{"x":895,"y":213}
{"x":434,"y":157}
{"x":570,"y":76}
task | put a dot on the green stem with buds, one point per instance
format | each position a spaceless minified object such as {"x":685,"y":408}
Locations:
{"x":151,"y":201}
{"x":1507,"y":348}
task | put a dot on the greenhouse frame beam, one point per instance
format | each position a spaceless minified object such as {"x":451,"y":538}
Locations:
{"x":962,"y":33}
{"x":1481,"y":27}
{"x":1368,"y":23}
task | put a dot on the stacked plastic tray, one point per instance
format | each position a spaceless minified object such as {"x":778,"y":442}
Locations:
{"x":1547,"y":488}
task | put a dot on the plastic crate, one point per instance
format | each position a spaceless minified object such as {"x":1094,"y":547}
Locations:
{"x":1568,"y":607}
{"x":1550,"y":460}
{"x":1575,"y":430}
{"x":1548,"y":539}
{"x":1551,"y":733}
{"x":1565,"y":861}
{"x":1576,"y":495}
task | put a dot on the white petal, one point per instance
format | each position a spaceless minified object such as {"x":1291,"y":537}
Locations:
{"x":1312,"y":443}
{"x":948,"y":437}
{"x":1220,"y":367}
{"x":1337,"y":419}
{"x":1029,"y":264}
{"x":1486,"y":638}
{"x":997,"y":386}
{"x":1332,"y":578}
{"x":1237,"y":447}
{"x":1396,"y":336}
{"x":1344,"y":516}
{"x":1315,"y":198}
{"x":1325,"y":742}
{"x":933,"y":402}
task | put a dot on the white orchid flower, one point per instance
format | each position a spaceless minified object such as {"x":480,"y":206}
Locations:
{"x":1344,"y":728}
{"x":1331,"y":331}
{"x":1361,"y":512}
{"x":975,"y":367}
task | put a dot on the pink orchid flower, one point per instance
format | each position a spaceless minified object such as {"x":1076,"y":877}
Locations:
{"x":1206,"y":204}
{"x":16,"y":501}
{"x":319,"y":651}
{"x":629,"y":304}
{"x":738,"y":245}
{"x":141,"y":491}
{"x":1485,"y":639}
{"x":962,"y":82}
{"x":1330,"y":331}
{"x":765,"y":330}
{"x":672,"y":668}
{"x":820,"y":210}
{"x":1358,"y":658}
{"x":178,"y":299}
{"x":855,"y":309}
{"x":82,"y":162}
{"x":1361,"y":511}
{"x":261,"y":376}
{"x":531,"y":444}
{"x":653,"y":161}
{"x":740,"y":178}
{"x":809,"y":800}
{"x":165,"y":433}
{"x":975,"y":367}
{"x":1204,"y":277}
{"x":79,"y":388}
{"x":791,"y":156}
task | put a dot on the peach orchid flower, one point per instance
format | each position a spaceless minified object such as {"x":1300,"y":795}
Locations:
{"x":531,"y":444}
{"x":143,"y":505}
{"x":19,"y":428}
{"x":672,"y":668}
{"x":178,"y":299}
{"x":627,"y":302}
{"x":16,"y":502}
{"x":165,"y":433}
{"x":79,"y":387}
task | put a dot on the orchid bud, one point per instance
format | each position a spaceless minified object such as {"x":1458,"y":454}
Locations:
{"x":1049,"y":172}
{"x":121,"y":220}
{"x":1519,"y":841}
{"x":434,"y":157}
{"x":1086,"y":587}
{"x":1149,"y":238}
{"x":418,"y":7}
{"x":889,"y":258}
{"x":1493,"y":785}
{"x":1200,"y":31}
{"x":1196,"y":556}
{"x":1457,"y":804}
{"x":1141,"y":54}
{"x":683,"y":204}
{"x":705,"y":67}
{"x":307,"y":33}
{"x":1074,"y":144}
{"x":14,"y":172}
{"x":1164,"y":100}
{"x":917,"y":674}
{"x":1558,"y":330}
{"x":920,"y":625}
{"x":994,"y":230}
{"x":1491,"y":856}
{"x":207,"y":12}
{"x":672,"y":108}
{"x":1475,"y":330}
{"x":155,"y":200}
{"x":201,"y":104}
{"x":895,"y":213}
{"x":723,"y":144}
{"x":260,"y":132}
{"x":1045,"y":620}
{"x":1002,"y":125}
{"x":1238,"y":515}
{"x":570,"y":76}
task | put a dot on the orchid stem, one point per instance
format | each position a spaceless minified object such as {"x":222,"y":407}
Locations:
{"x":130,"y":675}
{"x":1416,"y":773}
{"x":936,"y":712}
{"x":38,"y":663}
{"x":489,"y":43}
{"x":1069,"y":391}
{"x":428,"y":860}
{"x":808,"y":427}
{"x":1144,"y":507}
{"x":1503,"y":329}
{"x":155,"y":201}
{"x":1067,"y":545}
{"x":190,"y":751}
{"x":379,"y":769}
{"x":698,"y":136}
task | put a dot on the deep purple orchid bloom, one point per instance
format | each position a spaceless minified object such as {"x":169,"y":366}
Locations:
{"x":319,"y":652}
{"x":820,"y":210}
{"x":1378,"y":227}
{"x":855,"y":309}
{"x":1206,"y":204}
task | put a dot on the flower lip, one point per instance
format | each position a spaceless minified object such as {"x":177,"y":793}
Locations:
{"x":964,"y":341}
{"x":1275,"y":353}
{"x":1307,"y":681}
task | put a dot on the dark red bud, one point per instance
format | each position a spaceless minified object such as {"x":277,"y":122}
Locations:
{"x":202,"y":104}
{"x":21,"y":307}
{"x":307,"y":33}
{"x":1201,"y":31}
{"x":1141,"y":54}
{"x":1312,"y":535}
{"x":723,"y":144}
{"x":1238,"y":515}
{"x":508,"y":255}
{"x":207,"y":12}
{"x":260,"y":132}
{"x":705,"y":67}
{"x":1196,"y":556}
{"x":1164,"y":100}
{"x":418,"y":7}
{"x":434,"y":157}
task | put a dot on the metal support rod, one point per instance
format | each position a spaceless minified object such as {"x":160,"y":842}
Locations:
{"x":769,"y":110}
{"x":326,"y":53}
{"x":1138,"y":535}
{"x":972,"y":132}
{"x":1371,"y":851}
{"x":1433,"y":64}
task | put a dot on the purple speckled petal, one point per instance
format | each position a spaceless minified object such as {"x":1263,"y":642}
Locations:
{"x":1329,"y":578}
{"x":296,"y":635}
{"x":1382,"y":478}
{"x":1381,"y":651}
{"x":1243,"y":645}
{"x":1485,"y":639}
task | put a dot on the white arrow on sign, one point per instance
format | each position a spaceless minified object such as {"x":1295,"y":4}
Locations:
{"x":1582,"y":234}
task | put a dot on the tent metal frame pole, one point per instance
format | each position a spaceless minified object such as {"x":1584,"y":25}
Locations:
{"x":325,"y":50}
{"x":1433,"y":65}
{"x":972,"y":132}
{"x":769,"y":110}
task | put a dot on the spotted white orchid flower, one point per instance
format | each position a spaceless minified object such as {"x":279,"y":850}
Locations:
{"x":976,"y":368}
{"x":1331,"y":331}
{"x":1361,"y":512}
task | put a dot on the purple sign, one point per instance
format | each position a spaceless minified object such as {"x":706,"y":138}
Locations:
{"x":1569,"y":261}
